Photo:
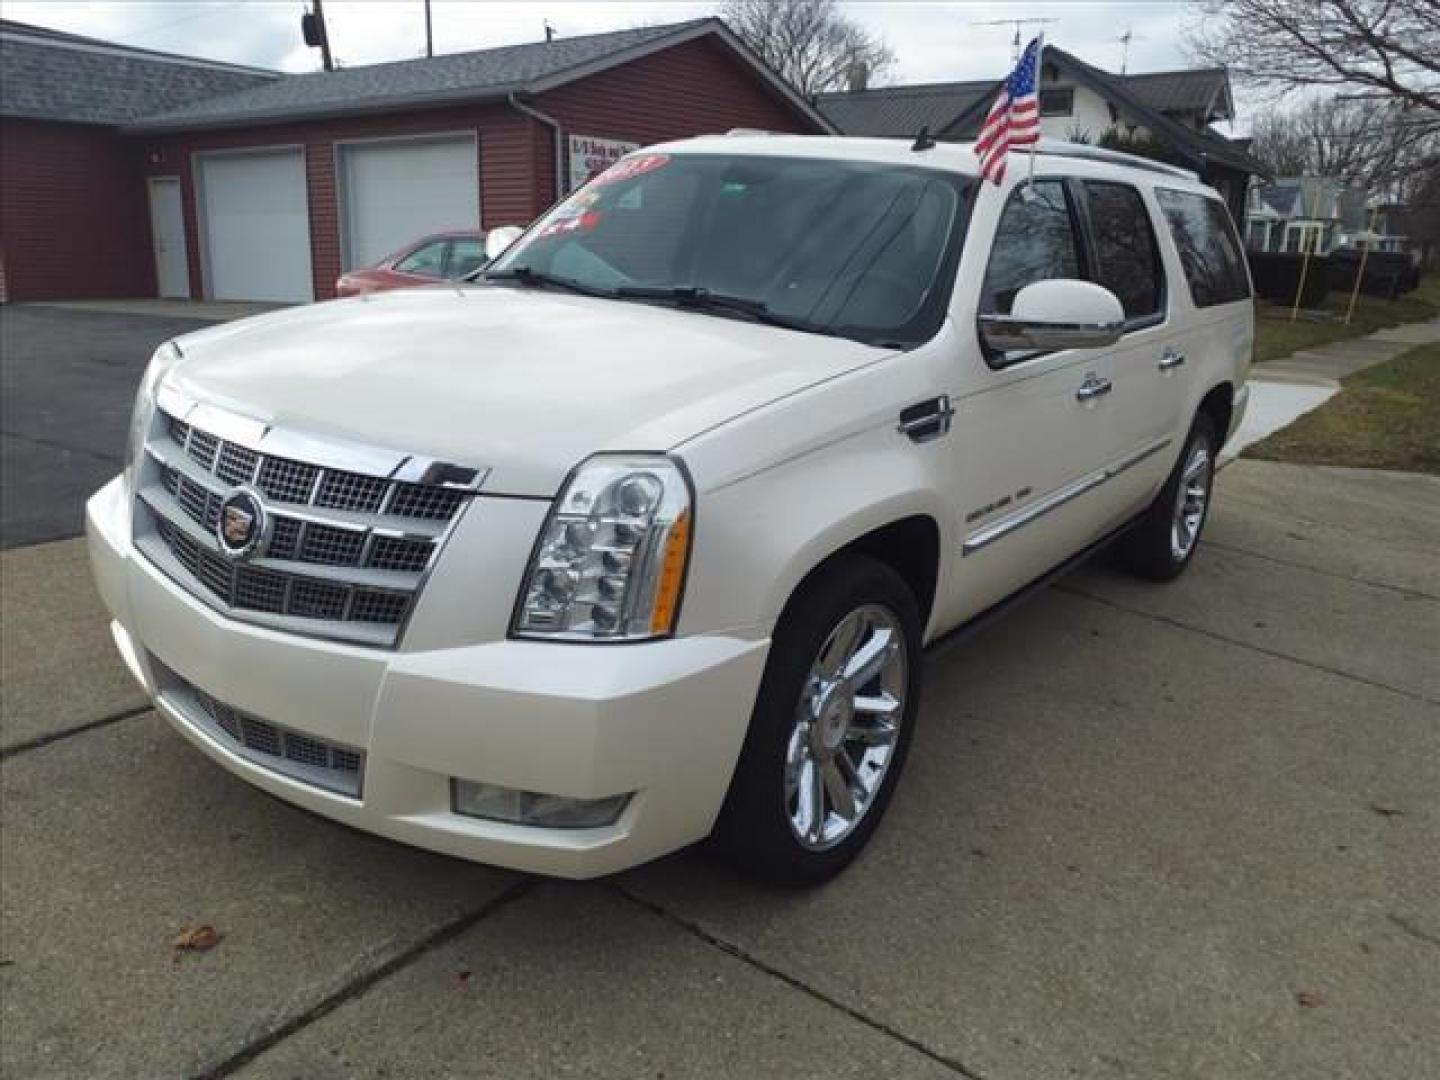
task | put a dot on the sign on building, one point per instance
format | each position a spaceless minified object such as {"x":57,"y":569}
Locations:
{"x":590,"y":157}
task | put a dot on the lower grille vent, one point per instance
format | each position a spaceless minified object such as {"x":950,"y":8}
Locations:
{"x":324,"y":764}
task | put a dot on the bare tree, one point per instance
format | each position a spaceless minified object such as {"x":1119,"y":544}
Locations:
{"x":1376,"y":147}
{"x":1279,"y":144}
{"x":809,"y":42}
{"x":1386,"y":49}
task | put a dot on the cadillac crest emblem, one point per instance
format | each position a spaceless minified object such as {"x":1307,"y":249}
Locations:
{"x":242,"y":524}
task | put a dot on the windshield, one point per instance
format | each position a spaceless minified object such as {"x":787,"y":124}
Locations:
{"x":848,"y":248}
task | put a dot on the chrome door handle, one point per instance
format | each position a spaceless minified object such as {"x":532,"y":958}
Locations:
{"x":1093,"y":387}
{"x":1171,"y":359}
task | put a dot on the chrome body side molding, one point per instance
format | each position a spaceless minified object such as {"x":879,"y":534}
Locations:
{"x":1054,"y":500}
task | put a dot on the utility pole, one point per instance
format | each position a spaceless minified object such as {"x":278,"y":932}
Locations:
{"x":429,"y":34}
{"x":312,"y":29}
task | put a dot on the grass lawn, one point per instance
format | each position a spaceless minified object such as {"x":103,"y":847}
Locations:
{"x":1277,"y":336}
{"x":1385,"y":417}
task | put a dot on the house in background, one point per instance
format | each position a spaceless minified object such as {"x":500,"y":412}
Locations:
{"x":128,"y":172}
{"x":1167,"y":113}
{"x":1319,"y":215}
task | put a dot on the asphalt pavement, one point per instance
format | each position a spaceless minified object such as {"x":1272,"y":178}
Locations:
{"x":1184,"y":831}
{"x":67,"y":384}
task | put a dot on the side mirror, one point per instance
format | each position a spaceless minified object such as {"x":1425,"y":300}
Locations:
{"x":497,"y":240}
{"x":1059,"y":314}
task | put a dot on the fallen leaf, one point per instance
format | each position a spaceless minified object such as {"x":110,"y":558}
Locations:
{"x":201,"y":938}
{"x":1308,"y":999}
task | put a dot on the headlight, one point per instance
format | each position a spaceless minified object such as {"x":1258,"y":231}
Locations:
{"x":165,"y":358}
{"x":610,"y":562}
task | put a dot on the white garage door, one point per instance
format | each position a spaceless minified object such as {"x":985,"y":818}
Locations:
{"x":395,"y":192}
{"x":256,"y":223}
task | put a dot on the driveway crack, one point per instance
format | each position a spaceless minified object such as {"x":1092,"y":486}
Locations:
{"x":1414,"y":931}
{"x":359,"y":985}
{"x":1166,"y":620}
{"x":1408,"y":593}
{"x":79,"y":729}
{"x":694,"y":929}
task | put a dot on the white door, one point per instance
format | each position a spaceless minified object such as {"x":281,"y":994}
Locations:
{"x":255,"y":223}
{"x":167,"y":232}
{"x":1033,"y":436}
{"x":394,"y":192}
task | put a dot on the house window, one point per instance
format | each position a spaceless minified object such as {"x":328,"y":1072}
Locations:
{"x":1057,"y":101}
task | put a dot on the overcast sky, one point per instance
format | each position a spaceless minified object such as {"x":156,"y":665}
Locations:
{"x":933,"y":40}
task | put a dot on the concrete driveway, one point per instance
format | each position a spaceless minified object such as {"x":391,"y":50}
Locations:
{"x":1188,"y":831}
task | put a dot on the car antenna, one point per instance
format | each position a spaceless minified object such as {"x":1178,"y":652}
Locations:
{"x":923,"y":140}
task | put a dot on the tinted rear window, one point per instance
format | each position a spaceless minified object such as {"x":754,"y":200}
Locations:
{"x":1127,"y":261}
{"x":1209,"y":249}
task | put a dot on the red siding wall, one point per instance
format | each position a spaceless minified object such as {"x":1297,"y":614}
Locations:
{"x":698,"y":88}
{"x":506,"y":185}
{"x":74,"y":222}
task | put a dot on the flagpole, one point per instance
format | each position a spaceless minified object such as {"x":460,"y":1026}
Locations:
{"x":1039,"y":74}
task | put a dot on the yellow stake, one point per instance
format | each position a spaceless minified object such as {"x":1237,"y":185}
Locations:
{"x":1305,"y":251}
{"x":1360,"y":273}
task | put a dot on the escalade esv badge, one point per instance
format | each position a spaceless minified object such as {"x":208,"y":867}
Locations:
{"x":242,"y":524}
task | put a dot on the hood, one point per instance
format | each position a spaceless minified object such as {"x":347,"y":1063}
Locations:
{"x":523,"y":382}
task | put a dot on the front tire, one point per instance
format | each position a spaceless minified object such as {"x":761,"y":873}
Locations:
{"x":1164,"y":540}
{"x":831,"y":726}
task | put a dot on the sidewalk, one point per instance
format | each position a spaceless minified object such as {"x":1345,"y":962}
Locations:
{"x":1282,"y":391}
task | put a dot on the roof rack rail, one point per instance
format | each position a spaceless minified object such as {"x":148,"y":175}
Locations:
{"x":743,"y":132}
{"x":1061,"y":148}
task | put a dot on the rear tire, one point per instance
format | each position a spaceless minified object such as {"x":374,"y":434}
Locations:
{"x":831,"y":727}
{"x":1164,"y":540}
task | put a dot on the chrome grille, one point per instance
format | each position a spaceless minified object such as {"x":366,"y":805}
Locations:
{"x":325,"y":764}
{"x":347,"y":550}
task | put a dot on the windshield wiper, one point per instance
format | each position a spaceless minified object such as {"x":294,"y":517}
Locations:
{"x":528,"y":275}
{"x":702,"y":299}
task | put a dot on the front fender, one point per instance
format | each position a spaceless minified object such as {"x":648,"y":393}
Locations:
{"x":759,"y":536}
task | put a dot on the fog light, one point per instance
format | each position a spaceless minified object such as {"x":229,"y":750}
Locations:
{"x":532,"y":807}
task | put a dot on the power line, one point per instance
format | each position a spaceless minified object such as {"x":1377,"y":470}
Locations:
{"x":213,"y":9}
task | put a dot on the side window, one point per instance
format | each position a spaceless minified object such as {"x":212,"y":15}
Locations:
{"x":1035,"y":241}
{"x":466,"y":256}
{"x":1209,"y":249}
{"x":427,"y":261}
{"x":1127,"y":260}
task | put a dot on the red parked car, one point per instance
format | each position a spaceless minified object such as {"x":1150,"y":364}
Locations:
{"x":433,"y":258}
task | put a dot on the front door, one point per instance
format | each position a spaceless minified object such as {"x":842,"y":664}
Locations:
{"x":167,"y":230}
{"x":1033,"y":431}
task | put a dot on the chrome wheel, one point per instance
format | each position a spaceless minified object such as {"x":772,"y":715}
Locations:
{"x":846,"y":726}
{"x":1191,"y":497}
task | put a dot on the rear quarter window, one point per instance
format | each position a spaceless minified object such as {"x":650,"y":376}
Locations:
{"x":1209,"y":248}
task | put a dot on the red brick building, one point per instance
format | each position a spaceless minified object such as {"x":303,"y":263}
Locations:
{"x":128,"y":173}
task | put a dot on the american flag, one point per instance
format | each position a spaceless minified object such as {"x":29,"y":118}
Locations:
{"x":1014,"y":119}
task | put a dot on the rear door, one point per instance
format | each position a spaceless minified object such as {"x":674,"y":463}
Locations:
{"x":1212,"y":283}
{"x":1146,"y":405}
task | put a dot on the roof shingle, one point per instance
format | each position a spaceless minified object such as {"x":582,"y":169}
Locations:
{"x":431,"y":80}
{"x":45,"y":75}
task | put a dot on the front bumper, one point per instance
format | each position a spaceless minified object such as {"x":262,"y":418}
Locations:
{"x":664,"y":720}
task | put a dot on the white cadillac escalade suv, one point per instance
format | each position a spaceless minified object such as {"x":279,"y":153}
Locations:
{"x":637,"y":538}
